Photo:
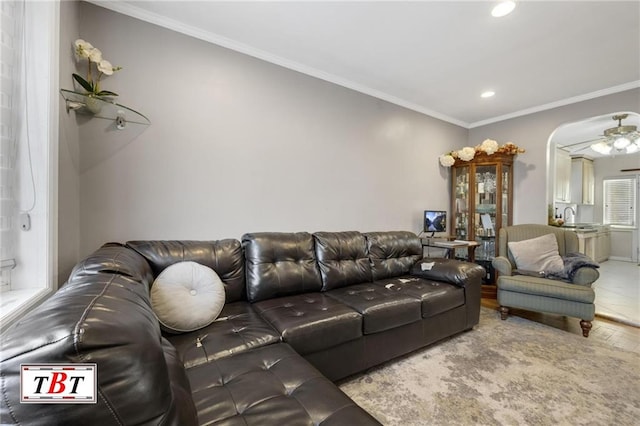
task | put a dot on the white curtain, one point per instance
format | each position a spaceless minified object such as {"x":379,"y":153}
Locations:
{"x":12,"y":102}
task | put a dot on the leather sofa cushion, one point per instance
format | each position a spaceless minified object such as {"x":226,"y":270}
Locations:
{"x":436,"y":297}
{"x":381,"y":308}
{"x":392,"y":253}
{"x":183,"y":408}
{"x":223,"y":256}
{"x":271,"y":385}
{"x":104,"y":319}
{"x":311,"y":322}
{"x":113,"y":258}
{"x":280,"y":264}
{"x":449,"y":271}
{"x":237,"y":329}
{"x":343,"y":259}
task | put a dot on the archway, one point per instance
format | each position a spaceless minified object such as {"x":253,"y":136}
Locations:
{"x":569,"y":149}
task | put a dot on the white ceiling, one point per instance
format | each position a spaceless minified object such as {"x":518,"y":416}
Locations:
{"x":432,"y":57}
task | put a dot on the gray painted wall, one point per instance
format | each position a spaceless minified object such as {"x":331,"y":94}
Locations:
{"x":239,"y":145}
{"x":532,"y":132}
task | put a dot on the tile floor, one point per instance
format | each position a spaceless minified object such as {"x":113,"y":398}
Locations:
{"x":618,"y":292}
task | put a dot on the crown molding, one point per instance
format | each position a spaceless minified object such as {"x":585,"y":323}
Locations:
{"x":556,"y":104}
{"x":174,"y":25}
{"x":171,"y":24}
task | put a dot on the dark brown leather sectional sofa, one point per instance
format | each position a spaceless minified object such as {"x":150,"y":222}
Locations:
{"x":302,"y":310}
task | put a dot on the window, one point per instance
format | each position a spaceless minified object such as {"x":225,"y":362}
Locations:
{"x":9,"y":39}
{"x":619,"y":197}
{"x":29,"y":102}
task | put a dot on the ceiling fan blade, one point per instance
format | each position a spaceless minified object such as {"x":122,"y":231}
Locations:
{"x":584,"y":148}
{"x":589,"y":141}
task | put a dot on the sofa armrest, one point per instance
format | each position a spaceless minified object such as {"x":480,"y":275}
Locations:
{"x":585,"y":276}
{"x":502,"y":265}
{"x":451,"y":271}
{"x":113,"y":258}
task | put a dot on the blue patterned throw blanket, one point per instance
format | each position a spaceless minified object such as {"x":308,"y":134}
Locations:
{"x":573,"y":262}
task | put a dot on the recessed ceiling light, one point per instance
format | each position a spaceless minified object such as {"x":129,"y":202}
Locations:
{"x":487,"y":94}
{"x":503,"y":8}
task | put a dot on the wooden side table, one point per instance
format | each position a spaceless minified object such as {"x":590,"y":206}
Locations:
{"x":451,"y":246}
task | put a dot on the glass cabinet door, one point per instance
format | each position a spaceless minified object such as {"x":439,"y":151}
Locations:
{"x":460,"y":202}
{"x":481,"y":203}
{"x":506,"y":199}
{"x":485,"y":210}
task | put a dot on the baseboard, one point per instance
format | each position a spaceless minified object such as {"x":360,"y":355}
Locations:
{"x":621,"y":259}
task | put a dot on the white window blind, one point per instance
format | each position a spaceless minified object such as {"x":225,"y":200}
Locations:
{"x":29,"y":106}
{"x":620,"y":201}
{"x":10,"y":71}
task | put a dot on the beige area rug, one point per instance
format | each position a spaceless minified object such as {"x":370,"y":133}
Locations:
{"x":513,"y":372}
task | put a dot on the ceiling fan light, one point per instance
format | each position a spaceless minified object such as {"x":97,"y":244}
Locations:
{"x":621,"y":143}
{"x":632,"y":148}
{"x":601,"y":148}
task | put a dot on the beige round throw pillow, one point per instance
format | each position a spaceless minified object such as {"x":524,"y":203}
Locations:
{"x":187,"y":296}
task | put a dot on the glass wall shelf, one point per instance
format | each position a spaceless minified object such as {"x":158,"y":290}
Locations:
{"x":102,"y":126}
{"x":103,"y":108}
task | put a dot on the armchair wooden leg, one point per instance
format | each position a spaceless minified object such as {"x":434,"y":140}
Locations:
{"x":586,"y":327}
{"x":504,"y":312}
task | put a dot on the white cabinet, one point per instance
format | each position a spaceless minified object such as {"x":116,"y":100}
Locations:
{"x":602,"y":245}
{"x":587,"y":244}
{"x":562,"y":176}
{"x":582,"y":183}
{"x":596,"y":245}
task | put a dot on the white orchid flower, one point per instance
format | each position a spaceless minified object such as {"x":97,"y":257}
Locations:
{"x":82,"y":48}
{"x":105,"y":67}
{"x":91,"y":84}
{"x":95,"y":55}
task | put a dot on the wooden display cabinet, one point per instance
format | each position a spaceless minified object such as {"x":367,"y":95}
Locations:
{"x":482,"y":203}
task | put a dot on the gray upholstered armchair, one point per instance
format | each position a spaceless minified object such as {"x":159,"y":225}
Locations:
{"x":572,"y":296}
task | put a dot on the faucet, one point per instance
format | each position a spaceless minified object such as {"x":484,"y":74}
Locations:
{"x":564,"y":213}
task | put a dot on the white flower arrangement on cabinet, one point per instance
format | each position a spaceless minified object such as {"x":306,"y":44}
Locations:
{"x":487,"y":147}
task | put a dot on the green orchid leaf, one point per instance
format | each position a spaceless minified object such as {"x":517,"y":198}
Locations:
{"x":84,"y":83}
{"x":106,"y":93}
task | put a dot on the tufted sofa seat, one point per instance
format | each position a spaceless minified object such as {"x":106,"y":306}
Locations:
{"x":284,"y":390}
{"x":237,"y":329}
{"x":302,"y":310}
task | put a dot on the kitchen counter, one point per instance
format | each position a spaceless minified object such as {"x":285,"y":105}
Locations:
{"x":585,"y":227}
{"x":594,"y":239}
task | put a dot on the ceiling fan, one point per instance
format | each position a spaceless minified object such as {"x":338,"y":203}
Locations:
{"x":620,"y":138}
{"x":616,"y":140}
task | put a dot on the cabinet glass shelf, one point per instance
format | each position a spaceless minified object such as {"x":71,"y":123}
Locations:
{"x":103,"y":108}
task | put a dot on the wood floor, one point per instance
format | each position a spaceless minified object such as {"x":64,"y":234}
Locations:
{"x":610,"y":332}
